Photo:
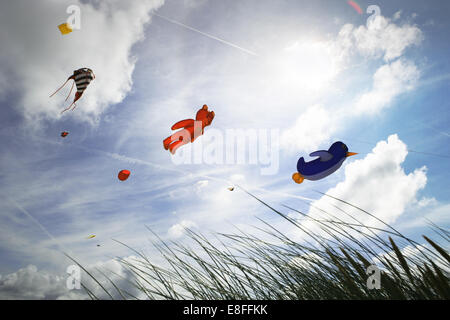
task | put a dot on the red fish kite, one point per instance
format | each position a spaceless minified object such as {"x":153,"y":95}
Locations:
{"x":81,"y":77}
{"x":355,"y":6}
{"x":191,"y":129}
{"x":123,"y":175}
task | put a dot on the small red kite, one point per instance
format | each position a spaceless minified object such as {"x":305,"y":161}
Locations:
{"x":123,"y":175}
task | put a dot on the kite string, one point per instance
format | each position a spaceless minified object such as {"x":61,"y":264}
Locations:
{"x":409,"y":150}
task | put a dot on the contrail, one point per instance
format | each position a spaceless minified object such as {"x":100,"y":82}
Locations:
{"x":61,"y":247}
{"x":205,"y":34}
{"x":132,"y":160}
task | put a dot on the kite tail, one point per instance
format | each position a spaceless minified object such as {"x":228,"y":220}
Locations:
{"x":70,"y":91}
{"x":59,"y":88}
{"x":68,"y":107}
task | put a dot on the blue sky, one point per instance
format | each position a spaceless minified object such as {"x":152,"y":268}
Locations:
{"x":320,"y":74}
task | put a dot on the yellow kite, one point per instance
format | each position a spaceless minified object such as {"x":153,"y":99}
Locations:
{"x":65,"y":28}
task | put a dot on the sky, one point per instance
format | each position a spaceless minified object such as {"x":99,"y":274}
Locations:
{"x":289,"y":77}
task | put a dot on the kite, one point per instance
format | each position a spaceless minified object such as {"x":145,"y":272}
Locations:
{"x":64,"y":134}
{"x":123,"y":175}
{"x":65,"y":28}
{"x":81,"y":77}
{"x":231,"y":188}
{"x":355,"y":6}
{"x":92,"y":236}
{"x":191,"y":129}
{"x":327,"y":163}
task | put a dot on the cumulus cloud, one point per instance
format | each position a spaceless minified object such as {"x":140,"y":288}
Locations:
{"x":177,"y":230}
{"x":397,"y":15}
{"x":397,"y":75}
{"x":29,"y":283}
{"x":381,"y":38}
{"x":312,"y":128}
{"x":378,"y":183}
{"x":37,"y":59}
{"x":389,"y":81}
{"x":427,"y":202}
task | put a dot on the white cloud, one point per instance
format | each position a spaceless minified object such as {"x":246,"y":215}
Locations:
{"x":32,"y":284}
{"x":381,"y":39}
{"x":177,"y":230}
{"x":397,"y":15}
{"x":37,"y":59}
{"x":200,"y":185}
{"x":427,"y":202}
{"x":378,"y":184}
{"x":29,"y":283}
{"x":312,"y":128}
{"x":385,"y":40}
{"x":389,"y":81}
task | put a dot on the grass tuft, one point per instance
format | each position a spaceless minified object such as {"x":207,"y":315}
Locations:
{"x":330,"y":264}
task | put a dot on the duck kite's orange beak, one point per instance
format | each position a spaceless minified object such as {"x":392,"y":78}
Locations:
{"x":349,"y":154}
{"x":298,"y":178}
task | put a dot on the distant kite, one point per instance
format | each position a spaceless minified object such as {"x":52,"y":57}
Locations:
{"x":123,"y":175}
{"x":64,"y":134}
{"x":92,"y":236}
{"x":65,"y":28}
{"x":81,"y":77}
{"x":355,"y":6}
{"x":328,"y":162}
{"x":231,"y":188}
{"x":191,"y":129}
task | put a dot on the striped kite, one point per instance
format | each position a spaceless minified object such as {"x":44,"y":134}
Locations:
{"x":81,"y":77}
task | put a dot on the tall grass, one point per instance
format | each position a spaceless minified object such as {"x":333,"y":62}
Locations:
{"x":330,"y":264}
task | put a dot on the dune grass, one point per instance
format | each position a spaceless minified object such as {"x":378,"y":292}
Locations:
{"x":331,"y":264}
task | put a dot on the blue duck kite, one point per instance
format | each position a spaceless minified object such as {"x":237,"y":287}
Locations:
{"x":327,"y":163}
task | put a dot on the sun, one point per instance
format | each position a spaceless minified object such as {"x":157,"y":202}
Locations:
{"x":307,"y":65}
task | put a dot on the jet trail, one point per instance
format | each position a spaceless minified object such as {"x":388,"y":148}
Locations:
{"x":36,"y":222}
{"x":206,"y":34}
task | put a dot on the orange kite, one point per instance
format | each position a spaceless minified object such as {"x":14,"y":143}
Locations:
{"x":191,"y":129}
